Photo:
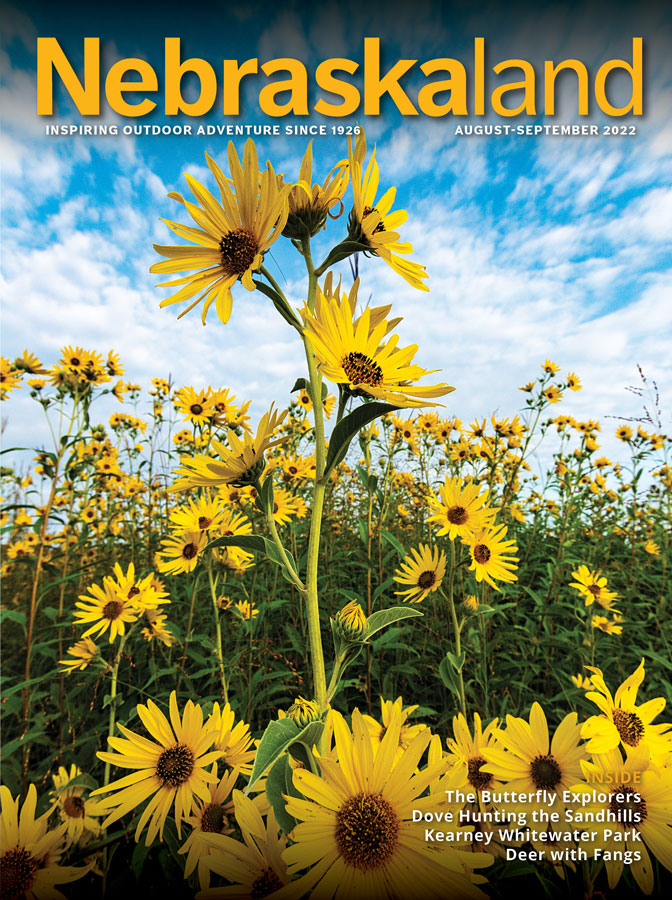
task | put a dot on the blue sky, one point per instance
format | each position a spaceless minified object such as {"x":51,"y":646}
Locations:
{"x":536,"y":246}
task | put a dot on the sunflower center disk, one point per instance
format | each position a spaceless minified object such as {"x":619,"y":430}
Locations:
{"x":426,"y":579}
{"x":625,"y":809}
{"x":17,"y":871}
{"x":457,"y":515}
{"x":189,"y":551}
{"x":195,"y":409}
{"x":367,"y":212}
{"x":361,"y":369}
{"x":476,"y":778}
{"x":367,"y":831}
{"x":213,"y":818}
{"x":204,"y":522}
{"x":482,"y":553}
{"x":265,"y":884}
{"x":112,"y":610}
{"x":629,"y":726}
{"x":237,"y":250}
{"x":175,"y":765}
{"x":74,"y":807}
{"x":545,"y":772}
{"x":595,"y":590}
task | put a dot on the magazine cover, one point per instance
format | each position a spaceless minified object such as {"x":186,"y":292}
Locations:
{"x":336,"y":472}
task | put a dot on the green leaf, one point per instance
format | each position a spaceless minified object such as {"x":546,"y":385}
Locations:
{"x":274,"y":741}
{"x":339,"y":252}
{"x":457,"y":662}
{"x":281,"y":306}
{"x":391,"y":539}
{"x":448,"y":676}
{"x":302,"y":385}
{"x":385,"y":617}
{"x":278,"y":783}
{"x":348,"y":427}
{"x":255,"y":543}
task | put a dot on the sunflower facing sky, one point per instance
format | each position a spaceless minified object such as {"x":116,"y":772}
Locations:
{"x":351,"y":353}
{"x":232,"y":236}
{"x":593,"y":587}
{"x":107,"y":609}
{"x":171,"y":768}
{"x":373,"y":223}
{"x":355,"y":822}
{"x":422,"y":571}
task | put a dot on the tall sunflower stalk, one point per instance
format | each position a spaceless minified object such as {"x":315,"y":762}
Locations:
{"x":358,"y":353}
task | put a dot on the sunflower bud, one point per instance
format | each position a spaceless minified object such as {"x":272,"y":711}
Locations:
{"x":303,"y":712}
{"x":351,"y":621}
{"x":471,"y":602}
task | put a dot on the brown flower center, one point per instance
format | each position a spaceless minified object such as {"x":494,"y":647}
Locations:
{"x":195,"y":409}
{"x":367,"y":212}
{"x":476,"y":778}
{"x":189,"y":551}
{"x":627,"y":806}
{"x":134,"y":591}
{"x":367,"y":831}
{"x":17,"y":872}
{"x":545,"y":772}
{"x":457,"y":515}
{"x":237,"y":250}
{"x":595,"y":589}
{"x":214,"y":819}
{"x":482,"y":553}
{"x":112,"y":610}
{"x":629,"y":726}
{"x":175,"y":765}
{"x":265,"y":884}
{"x":361,"y":369}
{"x":74,"y":807}
{"x":427,"y":579}
{"x":204,"y":522}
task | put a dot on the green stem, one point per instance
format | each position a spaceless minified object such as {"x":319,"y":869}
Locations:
{"x":456,"y":626}
{"x":113,"y":701}
{"x":291,"y":571}
{"x":218,"y":636}
{"x":312,"y":602}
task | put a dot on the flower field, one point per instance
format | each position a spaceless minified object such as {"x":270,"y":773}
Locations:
{"x":245,"y":651}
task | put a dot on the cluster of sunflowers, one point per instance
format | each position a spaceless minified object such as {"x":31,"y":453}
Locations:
{"x":319,"y":806}
{"x":360,"y":820}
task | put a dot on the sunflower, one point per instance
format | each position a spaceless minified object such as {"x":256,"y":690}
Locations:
{"x":351,"y":353}
{"x":82,"y":653}
{"x":622,"y":720}
{"x":172,"y":771}
{"x":107,"y":609}
{"x":461,"y":509}
{"x":284,"y":506}
{"x":204,"y":514}
{"x":182,"y":552}
{"x":529,"y":761}
{"x":232,"y":739}
{"x":633,"y":813}
{"x":29,"y":363}
{"x":593,"y":587}
{"x":9,"y":378}
{"x":254,"y":866}
{"x":240,"y":463}
{"x":355,"y":824}
{"x":197,"y":406}
{"x":422,"y":570}
{"x":491,"y":555}
{"x":574,"y":382}
{"x":309,"y":204}
{"x":652,"y":548}
{"x":388,"y":711}
{"x":608,"y":626}
{"x":467,"y":753}
{"x":29,"y":852}
{"x":351,"y":621}
{"x":550,"y":367}
{"x":246,"y":610}
{"x":155,"y":629}
{"x":624,"y":433}
{"x":373,"y":223}
{"x":212,"y":817}
{"x":146,"y":593}
{"x":232,"y":236}
{"x":553,"y":394}
{"x":77,"y":812}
